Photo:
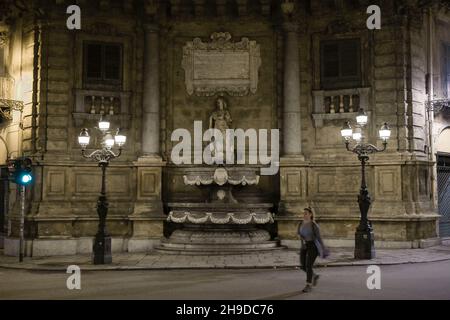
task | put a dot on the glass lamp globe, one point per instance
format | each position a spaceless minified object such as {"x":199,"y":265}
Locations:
{"x":109,"y":141}
{"x":361,"y":118}
{"x":346,"y":131}
{"x":103,"y":125}
{"x":385,"y":132}
{"x":83,"y":138}
{"x":357,"y":134}
{"x":120,"y":138}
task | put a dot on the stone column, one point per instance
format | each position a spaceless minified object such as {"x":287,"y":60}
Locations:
{"x":150,"y":97}
{"x":293,"y":170}
{"x":147,"y":217}
{"x":291,"y":93}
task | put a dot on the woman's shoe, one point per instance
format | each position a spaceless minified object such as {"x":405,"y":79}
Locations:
{"x":307,"y":288}
{"x":315,"y":280}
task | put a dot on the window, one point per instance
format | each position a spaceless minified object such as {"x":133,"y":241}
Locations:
{"x":2,"y":61}
{"x":102,"y":63}
{"x":340,"y":65}
{"x":447,"y":69}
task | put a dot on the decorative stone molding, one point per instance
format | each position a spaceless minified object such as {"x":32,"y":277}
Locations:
{"x":101,"y":28}
{"x":220,"y":178}
{"x":220,"y":218}
{"x":340,"y":26}
{"x":221,"y":66}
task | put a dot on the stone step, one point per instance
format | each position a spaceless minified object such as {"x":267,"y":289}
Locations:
{"x":217,"y":249}
{"x":222,"y":246}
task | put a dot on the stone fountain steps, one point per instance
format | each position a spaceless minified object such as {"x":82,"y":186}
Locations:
{"x":218,"y":239}
{"x":216,"y":248}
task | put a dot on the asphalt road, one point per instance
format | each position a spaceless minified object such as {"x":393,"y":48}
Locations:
{"x":408,"y":281}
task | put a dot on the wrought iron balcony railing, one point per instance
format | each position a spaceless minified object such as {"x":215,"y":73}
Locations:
{"x":438,"y":105}
{"x":7,"y":104}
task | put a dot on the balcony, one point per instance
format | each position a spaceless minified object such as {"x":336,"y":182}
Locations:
{"x":338,"y":104}
{"x":438,"y":105}
{"x":7,"y":104}
{"x":91,"y":104}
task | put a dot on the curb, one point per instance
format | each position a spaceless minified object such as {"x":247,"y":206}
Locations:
{"x":58,"y":268}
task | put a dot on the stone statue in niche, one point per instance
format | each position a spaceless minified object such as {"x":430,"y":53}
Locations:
{"x":220,"y":119}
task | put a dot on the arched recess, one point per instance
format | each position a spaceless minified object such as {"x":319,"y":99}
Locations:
{"x":443,"y":141}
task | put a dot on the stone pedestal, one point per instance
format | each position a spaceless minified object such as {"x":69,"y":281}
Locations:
{"x":364,"y":245}
{"x":210,"y":239}
{"x":148,"y":215}
{"x":293,"y":195}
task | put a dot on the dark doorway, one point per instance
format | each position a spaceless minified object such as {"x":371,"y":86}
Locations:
{"x":443,"y":175}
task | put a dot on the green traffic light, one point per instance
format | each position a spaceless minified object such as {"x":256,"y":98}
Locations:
{"x":25,"y":178}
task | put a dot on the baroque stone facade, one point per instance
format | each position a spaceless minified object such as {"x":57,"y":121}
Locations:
{"x":280,"y":86}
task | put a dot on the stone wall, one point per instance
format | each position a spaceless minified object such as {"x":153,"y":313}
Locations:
{"x":400,"y":179}
{"x":324,"y":175}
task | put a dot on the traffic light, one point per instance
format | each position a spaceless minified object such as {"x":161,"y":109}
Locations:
{"x":20,"y":171}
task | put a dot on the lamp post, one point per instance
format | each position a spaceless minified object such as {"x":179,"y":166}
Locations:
{"x":364,"y":237}
{"x":102,"y":242}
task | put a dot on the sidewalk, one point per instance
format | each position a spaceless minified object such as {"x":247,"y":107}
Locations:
{"x":282,"y":258}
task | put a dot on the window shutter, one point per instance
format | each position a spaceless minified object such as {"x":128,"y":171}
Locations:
{"x":330,"y":60}
{"x":113,"y":62}
{"x":340,"y":64}
{"x":349,"y":59}
{"x":93,"y":61}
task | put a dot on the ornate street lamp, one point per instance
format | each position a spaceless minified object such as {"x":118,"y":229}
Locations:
{"x":364,"y":238}
{"x":102,"y":242}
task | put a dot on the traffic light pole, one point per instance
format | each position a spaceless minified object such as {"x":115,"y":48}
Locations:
{"x":22,"y":222}
{"x":20,"y":172}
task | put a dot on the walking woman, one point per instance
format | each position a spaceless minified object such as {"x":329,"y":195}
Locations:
{"x":312,"y":246}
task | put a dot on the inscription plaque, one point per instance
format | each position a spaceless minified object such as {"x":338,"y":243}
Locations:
{"x":221,"y":66}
